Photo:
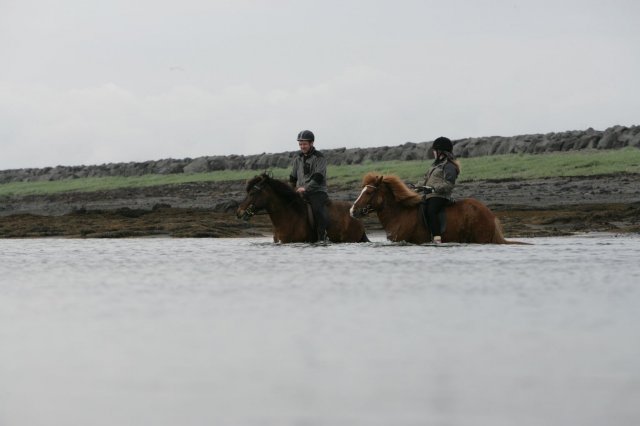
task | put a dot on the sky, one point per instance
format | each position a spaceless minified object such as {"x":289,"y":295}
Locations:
{"x":88,"y":82}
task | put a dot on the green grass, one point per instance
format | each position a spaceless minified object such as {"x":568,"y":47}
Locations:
{"x":514,"y":166}
{"x":580,"y":163}
{"x":499,"y":167}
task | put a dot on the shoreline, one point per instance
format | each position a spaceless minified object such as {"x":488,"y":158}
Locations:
{"x":203,"y":223}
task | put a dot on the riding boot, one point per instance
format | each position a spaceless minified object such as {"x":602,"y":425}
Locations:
{"x":323,"y":223}
{"x":322,"y":236}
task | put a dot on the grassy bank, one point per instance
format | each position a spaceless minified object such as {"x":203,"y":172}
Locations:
{"x":499,"y":167}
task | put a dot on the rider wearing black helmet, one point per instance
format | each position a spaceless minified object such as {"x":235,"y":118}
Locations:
{"x":309,"y":177}
{"x":438,"y":184}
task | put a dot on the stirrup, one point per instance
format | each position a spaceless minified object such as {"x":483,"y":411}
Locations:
{"x":437,"y":239}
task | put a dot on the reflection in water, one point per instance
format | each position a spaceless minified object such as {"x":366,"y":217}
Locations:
{"x":244,"y":332}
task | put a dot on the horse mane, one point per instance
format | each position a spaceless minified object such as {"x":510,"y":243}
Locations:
{"x":281,"y":189}
{"x":402,"y":194}
{"x":254,"y":181}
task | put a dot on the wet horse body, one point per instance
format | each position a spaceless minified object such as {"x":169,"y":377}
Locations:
{"x":289,"y":213}
{"x":397,"y":208}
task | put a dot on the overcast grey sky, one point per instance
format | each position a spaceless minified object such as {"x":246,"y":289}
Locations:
{"x":87,"y":82}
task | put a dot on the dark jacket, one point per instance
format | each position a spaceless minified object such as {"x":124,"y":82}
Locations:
{"x":442,"y":178}
{"x":310,"y":171}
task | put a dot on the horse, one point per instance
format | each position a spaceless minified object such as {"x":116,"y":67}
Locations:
{"x":397,"y":207}
{"x":291,"y":216}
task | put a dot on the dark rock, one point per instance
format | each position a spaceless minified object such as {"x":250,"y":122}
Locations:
{"x":225,"y":206}
{"x":160,"y":206}
{"x":199,"y":165}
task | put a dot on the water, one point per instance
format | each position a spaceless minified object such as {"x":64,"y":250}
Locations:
{"x":243,"y":332}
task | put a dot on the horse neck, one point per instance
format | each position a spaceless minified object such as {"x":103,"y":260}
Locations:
{"x":280,"y":211}
{"x":394,"y":217}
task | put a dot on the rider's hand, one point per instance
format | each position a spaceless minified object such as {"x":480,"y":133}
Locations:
{"x":300,"y":190}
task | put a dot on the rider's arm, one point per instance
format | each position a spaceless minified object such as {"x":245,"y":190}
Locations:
{"x":450,"y":173}
{"x":318,"y":174}
{"x":446,"y":185}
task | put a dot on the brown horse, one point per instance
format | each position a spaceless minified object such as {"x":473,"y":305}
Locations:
{"x":397,"y":207}
{"x":289,"y":213}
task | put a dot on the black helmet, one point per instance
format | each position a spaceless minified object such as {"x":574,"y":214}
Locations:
{"x":442,"y":144}
{"x":306,"y":135}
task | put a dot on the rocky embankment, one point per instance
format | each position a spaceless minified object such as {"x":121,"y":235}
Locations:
{"x":611,"y":138}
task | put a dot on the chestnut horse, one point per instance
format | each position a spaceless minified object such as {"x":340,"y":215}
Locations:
{"x":289,"y":213}
{"x":397,"y":207}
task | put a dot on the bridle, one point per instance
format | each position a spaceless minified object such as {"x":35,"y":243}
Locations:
{"x":368,"y":208}
{"x":250,"y":211}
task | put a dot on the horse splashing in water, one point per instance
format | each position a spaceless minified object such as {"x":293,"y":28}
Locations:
{"x":290,"y":214}
{"x":398,"y":209}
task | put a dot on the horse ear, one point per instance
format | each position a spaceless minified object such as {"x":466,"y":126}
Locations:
{"x":380,"y":178}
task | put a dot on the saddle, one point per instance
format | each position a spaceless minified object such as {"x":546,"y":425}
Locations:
{"x":442,"y":216}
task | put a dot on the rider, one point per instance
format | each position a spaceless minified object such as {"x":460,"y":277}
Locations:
{"x":438,"y":184}
{"x":309,"y":177}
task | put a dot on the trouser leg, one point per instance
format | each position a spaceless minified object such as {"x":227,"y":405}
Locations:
{"x":318,"y":202}
{"x":434,"y":205}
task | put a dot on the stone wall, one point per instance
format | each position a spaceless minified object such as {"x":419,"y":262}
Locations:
{"x":611,"y":138}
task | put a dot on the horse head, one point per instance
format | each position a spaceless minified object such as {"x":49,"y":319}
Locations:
{"x":370,"y":198}
{"x":256,"y":198}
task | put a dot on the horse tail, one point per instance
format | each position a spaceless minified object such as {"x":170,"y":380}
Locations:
{"x":498,"y":236}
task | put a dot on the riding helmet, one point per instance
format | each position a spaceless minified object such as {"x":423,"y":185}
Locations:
{"x":306,"y":135}
{"x":442,"y":144}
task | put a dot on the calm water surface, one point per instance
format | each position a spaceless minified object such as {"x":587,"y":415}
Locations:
{"x":244,"y":332}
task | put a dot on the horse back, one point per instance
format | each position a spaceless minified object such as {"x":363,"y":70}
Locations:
{"x":469,"y":220}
